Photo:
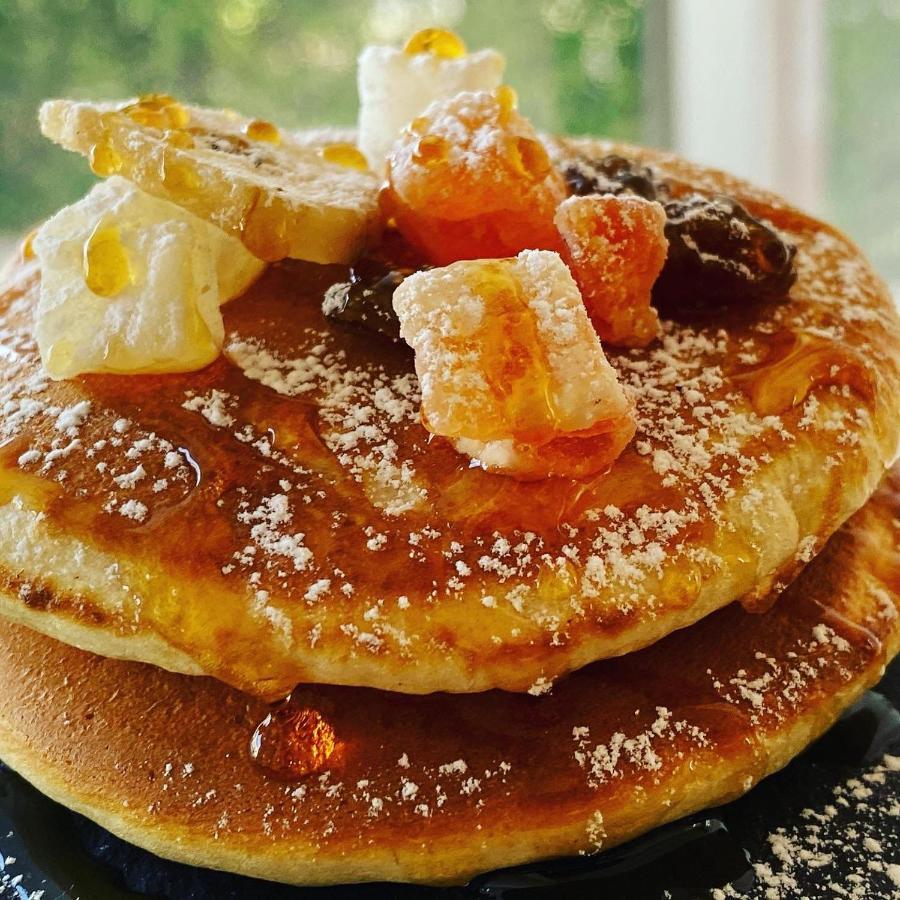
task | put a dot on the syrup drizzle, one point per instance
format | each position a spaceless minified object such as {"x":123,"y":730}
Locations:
{"x":107,"y":271}
{"x":288,"y":297}
{"x":797,"y":363}
{"x":282,"y":314}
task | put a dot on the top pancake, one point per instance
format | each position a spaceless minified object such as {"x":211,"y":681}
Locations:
{"x":282,"y":516}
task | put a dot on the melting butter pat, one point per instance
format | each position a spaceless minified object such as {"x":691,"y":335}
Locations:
{"x":133,"y":284}
{"x":395,"y":86}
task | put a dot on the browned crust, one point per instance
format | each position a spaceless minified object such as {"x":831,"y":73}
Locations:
{"x":160,"y":759}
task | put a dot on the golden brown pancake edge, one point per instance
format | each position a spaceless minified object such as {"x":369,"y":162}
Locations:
{"x":421,"y":615}
{"x":437,"y":788}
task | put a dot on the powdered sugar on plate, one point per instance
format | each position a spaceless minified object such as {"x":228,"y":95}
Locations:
{"x":847,"y":848}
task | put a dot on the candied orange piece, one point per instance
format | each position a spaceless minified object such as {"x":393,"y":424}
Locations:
{"x":510,"y":367}
{"x":616,"y":248}
{"x":470,"y":179}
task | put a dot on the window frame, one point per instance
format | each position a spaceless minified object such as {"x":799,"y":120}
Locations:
{"x":758,"y":108}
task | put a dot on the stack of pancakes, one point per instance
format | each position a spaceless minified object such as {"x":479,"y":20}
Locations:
{"x":480,"y":671}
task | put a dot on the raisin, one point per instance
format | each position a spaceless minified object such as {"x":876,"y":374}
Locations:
{"x":366,"y":300}
{"x":719,"y":253}
{"x":613,"y":175}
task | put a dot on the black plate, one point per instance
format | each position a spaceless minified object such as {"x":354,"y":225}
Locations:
{"x":45,"y":848}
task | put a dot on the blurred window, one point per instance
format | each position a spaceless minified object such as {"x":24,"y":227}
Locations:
{"x":575,"y":63}
{"x":801,"y":96}
{"x":862,"y":127}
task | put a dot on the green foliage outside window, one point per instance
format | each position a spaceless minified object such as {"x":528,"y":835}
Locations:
{"x":863,"y":127}
{"x":575,"y":64}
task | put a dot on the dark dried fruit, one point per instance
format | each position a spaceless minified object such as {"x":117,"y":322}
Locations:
{"x":613,"y":175}
{"x":720,"y":253}
{"x":366,"y":300}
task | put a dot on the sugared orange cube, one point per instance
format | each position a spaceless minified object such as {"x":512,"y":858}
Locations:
{"x":470,"y":179}
{"x":510,"y":367}
{"x":616,"y":248}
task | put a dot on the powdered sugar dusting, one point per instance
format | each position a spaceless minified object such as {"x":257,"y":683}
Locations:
{"x":848,"y":848}
{"x":772,"y":690}
{"x":358,"y":408}
{"x":354,"y":533}
{"x":624,"y":755}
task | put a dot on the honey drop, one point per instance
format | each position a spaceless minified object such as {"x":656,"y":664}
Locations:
{"x":292,"y":741}
{"x":178,"y":177}
{"x":344,"y":154}
{"x":106,"y":268}
{"x":104,"y":159}
{"x":26,"y":251}
{"x":438,"y":41}
{"x":183,"y":140}
{"x":507,"y":99}
{"x":264,"y":232}
{"x":513,"y":357}
{"x":261,"y":130}
{"x":798,"y":362}
{"x":528,"y":158}
{"x":158,"y":111}
{"x":431,"y":149}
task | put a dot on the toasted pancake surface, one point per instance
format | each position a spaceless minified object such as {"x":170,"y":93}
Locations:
{"x":437,"y":788}
{"x":283,"y":517}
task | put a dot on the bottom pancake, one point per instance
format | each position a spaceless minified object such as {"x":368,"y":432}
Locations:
{"x":437,"y":788}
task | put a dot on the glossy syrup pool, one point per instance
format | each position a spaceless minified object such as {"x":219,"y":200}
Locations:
{"x":44,"y":847}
